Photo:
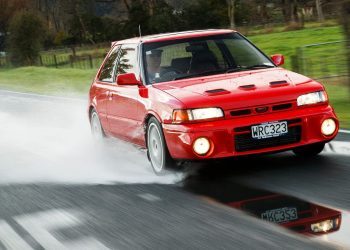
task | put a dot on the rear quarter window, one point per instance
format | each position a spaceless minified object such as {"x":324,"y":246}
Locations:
{"x":106,"y":74}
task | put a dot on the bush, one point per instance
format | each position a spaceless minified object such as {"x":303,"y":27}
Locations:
{"x":293,"y":26}
{"x":26,"y":36}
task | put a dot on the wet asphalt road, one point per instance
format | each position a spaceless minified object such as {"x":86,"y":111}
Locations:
{"x":58,"y":191}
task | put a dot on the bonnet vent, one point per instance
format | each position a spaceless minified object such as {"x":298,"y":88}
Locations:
{"x":217,"y":91}
{"x":279,"y":83}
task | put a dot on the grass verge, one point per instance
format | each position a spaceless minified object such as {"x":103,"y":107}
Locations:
{"x":66,"y":82}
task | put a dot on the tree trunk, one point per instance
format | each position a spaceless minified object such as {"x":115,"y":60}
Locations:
{"x":231,"y":12}
{"x":294,"y":11}
{"x":126,"y":5}
{"x":286,"y":10}
{"x":319,"y":10}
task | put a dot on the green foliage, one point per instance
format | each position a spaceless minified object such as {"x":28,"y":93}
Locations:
{"x":203,"y":14}
{"x":26,"y":35}
{"x":138,"y":15}
{"x":165,"y":19}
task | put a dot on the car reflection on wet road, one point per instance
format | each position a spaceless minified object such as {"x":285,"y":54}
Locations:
{"x":295,"y":214}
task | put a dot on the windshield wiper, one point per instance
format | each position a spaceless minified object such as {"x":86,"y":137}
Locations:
{"x":242,"y":68}
{"x":260,"y":66}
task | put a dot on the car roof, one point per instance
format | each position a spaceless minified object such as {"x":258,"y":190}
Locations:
{"x":174,"y":36}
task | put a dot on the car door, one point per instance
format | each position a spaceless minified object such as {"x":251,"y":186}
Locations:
{"x":124,"y":104}
{"x":102,"y":86}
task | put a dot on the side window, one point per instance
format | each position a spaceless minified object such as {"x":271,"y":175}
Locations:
{"x":127,"y":59}
{"x":106,"y":74}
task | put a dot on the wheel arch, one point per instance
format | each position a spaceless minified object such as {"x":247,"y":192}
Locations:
{"x":91,"y":108}
{"x":145,"y":123}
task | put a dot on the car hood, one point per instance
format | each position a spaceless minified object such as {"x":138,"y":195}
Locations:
{"x":240,"y":89}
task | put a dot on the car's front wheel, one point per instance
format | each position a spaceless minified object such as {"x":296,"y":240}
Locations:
{"x":156,"y":147}
{"x":96,"y":127}
{"x":309,"y":150}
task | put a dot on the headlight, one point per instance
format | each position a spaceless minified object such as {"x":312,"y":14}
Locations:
{"x":312,"y":98}
{"x":184,"y":115}
{"x":325,"y":226}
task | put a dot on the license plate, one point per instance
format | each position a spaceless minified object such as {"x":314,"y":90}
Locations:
{"x":280,"y":215}
{"x":267,"y":130}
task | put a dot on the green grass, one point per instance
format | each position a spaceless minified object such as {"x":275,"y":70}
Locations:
{"x":286,"y":42}
{"x":67,"y":82}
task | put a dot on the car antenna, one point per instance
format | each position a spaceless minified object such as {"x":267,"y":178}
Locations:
{"x":140,"y":31}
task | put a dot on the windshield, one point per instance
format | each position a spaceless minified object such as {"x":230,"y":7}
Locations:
{"x":192,"y":57}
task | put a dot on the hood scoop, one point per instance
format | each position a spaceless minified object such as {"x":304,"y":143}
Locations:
{"x":217,"y":92}
{"x":279,"y":83}
{"x":247,"y":87}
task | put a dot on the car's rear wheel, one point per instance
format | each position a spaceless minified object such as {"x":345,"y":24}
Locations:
{"x":96,"y":127}
{"x":309,"y":150}
{"x":157,"y":150}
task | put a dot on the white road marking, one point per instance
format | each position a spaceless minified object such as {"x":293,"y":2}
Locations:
{"x":42,"y":225}
{"x":10,"y":239}
{"x":149,"y":197}
{"x":344,"y":131}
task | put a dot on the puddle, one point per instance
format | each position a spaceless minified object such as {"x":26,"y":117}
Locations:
{"x":301,"y":216}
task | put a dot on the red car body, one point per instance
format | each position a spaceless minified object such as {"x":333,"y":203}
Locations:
{"x":246,"y":97}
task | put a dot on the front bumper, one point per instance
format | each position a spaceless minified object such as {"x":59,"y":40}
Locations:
{"x":221,"y":133}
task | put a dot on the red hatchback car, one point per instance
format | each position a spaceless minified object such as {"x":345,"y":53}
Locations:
{"x":206,"y":94}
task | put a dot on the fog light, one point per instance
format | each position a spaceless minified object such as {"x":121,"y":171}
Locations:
{"x":328,"y":127}
{"x":201,"y":146}
{"x":324,"y":226}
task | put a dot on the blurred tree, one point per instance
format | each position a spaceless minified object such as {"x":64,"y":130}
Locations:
{"x":163,"y":18}
{"x":138,"y":15}
{"x":319,"y":10}
{"x":203,"y":14}
{"x":77,"y":13}
{"x":231,"y":12}
{"x":27,"y":32}
{"x":7,"y":10}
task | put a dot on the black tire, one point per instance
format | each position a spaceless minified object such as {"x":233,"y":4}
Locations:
{"x":96,"y":127}
{"x":309,"y":150}
{"x":157,"y":151}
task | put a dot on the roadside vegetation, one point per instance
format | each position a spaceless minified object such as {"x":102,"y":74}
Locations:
{"x":42,"y":80}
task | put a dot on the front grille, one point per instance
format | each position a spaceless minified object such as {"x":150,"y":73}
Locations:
{"x":282,"y":106}
{"x":241,"y":112}
{"x":262,"y":109}
{"x":245,"y":142}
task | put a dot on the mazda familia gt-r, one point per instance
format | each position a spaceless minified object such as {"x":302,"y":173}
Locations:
{"x":207,"y":94}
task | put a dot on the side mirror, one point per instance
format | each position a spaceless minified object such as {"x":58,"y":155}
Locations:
{"x":127,"y":79}
{"x":278,"y":59}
